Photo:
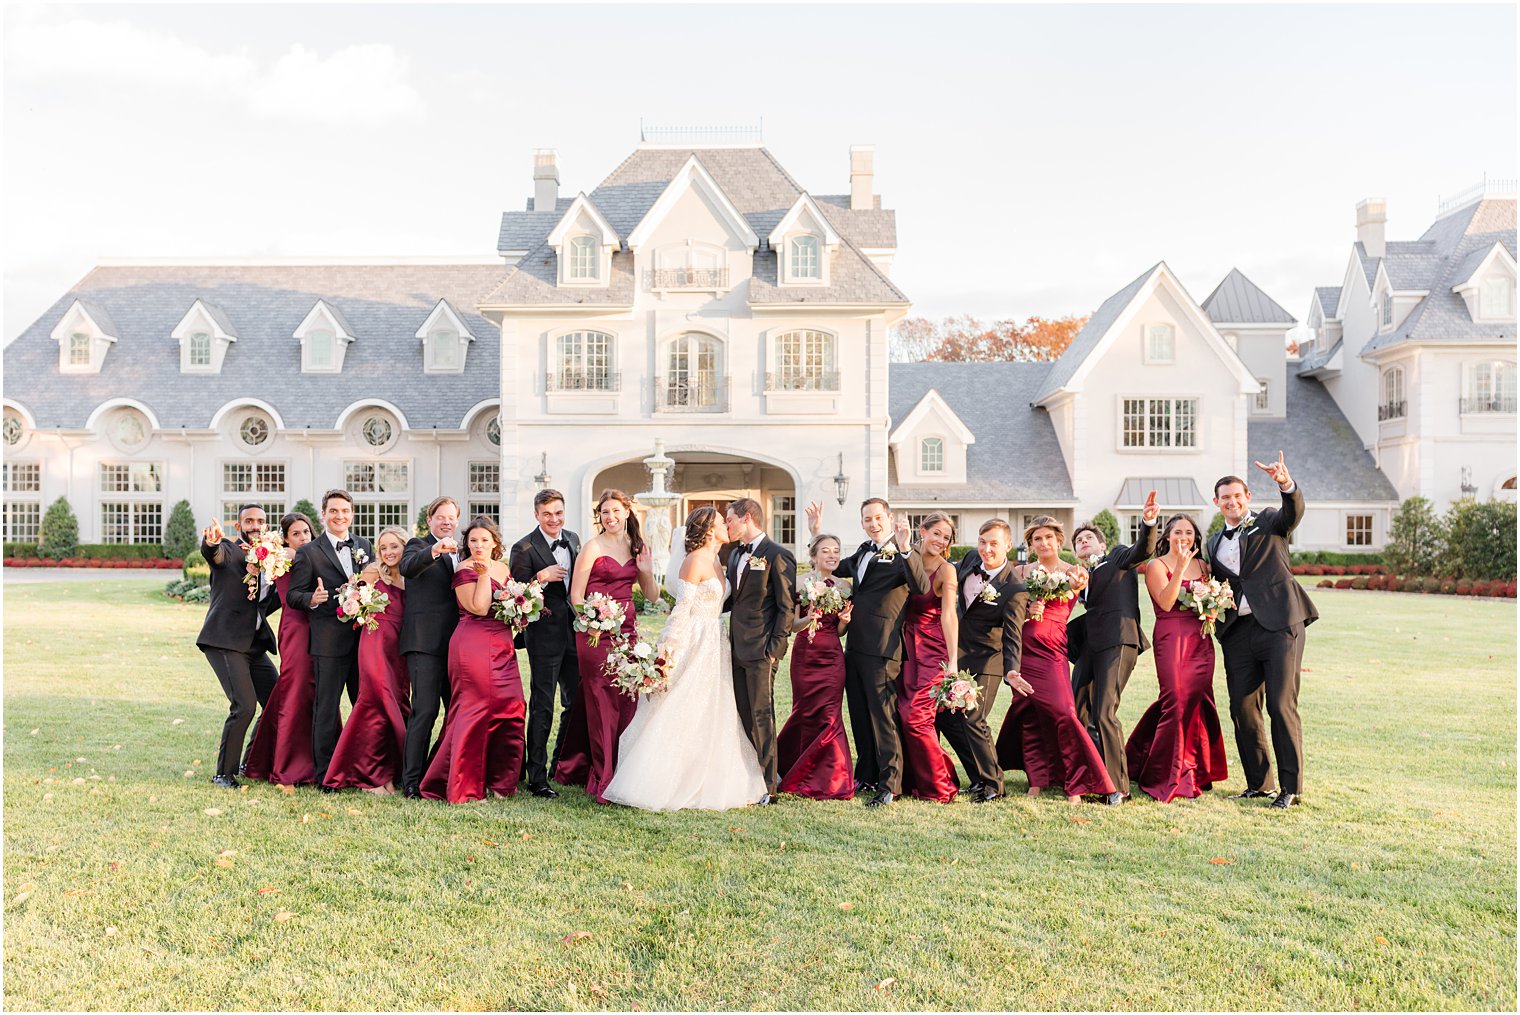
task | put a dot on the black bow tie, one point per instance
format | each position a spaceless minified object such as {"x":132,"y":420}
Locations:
{"x":1230,"y":533}
{"x":346,"y":544}
{"x":559,"y":544}
{"x":979,"y":569}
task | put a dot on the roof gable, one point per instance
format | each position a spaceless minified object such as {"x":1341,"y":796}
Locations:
{"x":932,"y":403}
{"x":445,"y":314}
{"x":693,"y":176}
{"x":214,"y":316}
{"x":1238,"y":300}
{"x":1478,"y":263}
{"x":91,"y":314}
{"x":804,"y":206}
{"x":582,"y":206}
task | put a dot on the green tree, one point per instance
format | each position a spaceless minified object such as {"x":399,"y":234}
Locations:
{"x":1105,"y":522}
{"x":308,"y":509}
{"x":1480,"y":538}
{"x":59,"y":537}
{"x":1415,"y":539}
{"x":1216,"y":524}
{"x":421,"y":527}
{"x":180,"y":537}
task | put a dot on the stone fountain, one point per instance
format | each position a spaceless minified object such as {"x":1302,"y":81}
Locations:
{"x":657,"y":502}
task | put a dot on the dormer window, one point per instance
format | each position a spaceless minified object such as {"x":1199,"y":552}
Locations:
{"x":443,"y":351}
{"x":583,"y":257}
{"x":200,"y":349}
{"x":445,"y":339}
{"x":79,"y":349}
{"x":319,"y":350}
{"x":204,"y":335}
{"x":931,"y":455}
{"x":803,"y":240}
{"x":1160,"y":343}
{"x":584,"y":243}
{"x":84,"y":334}
{"x":803,"y":261}
{"x":1497,"y":301}
{"x":324,"y":336}
{"x":1387,"y":318}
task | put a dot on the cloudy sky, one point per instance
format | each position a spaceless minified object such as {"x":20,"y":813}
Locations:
{"x":1038,"y":157}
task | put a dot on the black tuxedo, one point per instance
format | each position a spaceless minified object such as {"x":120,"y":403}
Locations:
{"x":428,"y":622}
{"x":1111,"y":641}
{"x":1264,"y":649}
{"x":334,"y":643}
{"x":237,"y":641}
{"x":761,"y":604}
{"x":550,"y":642}
{"x":873,"y":659}
{"x":991,"y":644}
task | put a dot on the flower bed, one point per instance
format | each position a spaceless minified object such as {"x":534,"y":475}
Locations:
{"x":1316,"y":570}
{"x":162,"y":563}
{"x":1433,"y":586}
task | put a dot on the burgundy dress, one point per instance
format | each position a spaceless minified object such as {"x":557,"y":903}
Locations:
{"x":928,"y":772}
{"x":482,"y":744}
{"x":281,"y":750}
{"x":370,"y":748}
{"x":601,"y":712}
{"x":812,"y":753}
{"x":1041,"y":733}
{"x":1177,"y":750}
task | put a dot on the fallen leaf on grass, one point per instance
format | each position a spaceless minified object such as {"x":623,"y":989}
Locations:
{"x":79,"y":781}
{"x":20,"y":898}
{"x":47,"y":796}
{"x":152,"y":799}
{"x":574,"y":936}
{"x":527,"y":835}
{"x":28,"y":887}
{"x":288,"y":790}
{"x":77,"y":891}
{"x":110,"y":932}
{"x":355,"y":812}
{"x":35,"y":732}
{"x":884,"y":984}
{"x":189,"y":772}
{"x":488,"y":842}
{"x":269,"y":890}
{"x":847,"y":906}
{"x":212,"y":812}
{"x":1380,"y":939}
{"x":283,"y":915}
{"x":306,"y":819}
{"x":177,"y":722}
{"x":1222,"y":861}
{"x":1081,"y":821}
{"x":222,"y":861}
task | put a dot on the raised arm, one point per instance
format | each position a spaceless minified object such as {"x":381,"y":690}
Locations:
{"x":417,"y":557}
{"x":1164,"y":590}
{"x":1292,"y":511}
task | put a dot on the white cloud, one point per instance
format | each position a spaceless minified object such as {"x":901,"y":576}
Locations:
{"x":365,"y":84}
{"x":84,"y":48}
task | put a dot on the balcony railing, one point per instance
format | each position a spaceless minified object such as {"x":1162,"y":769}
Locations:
{"x":584,"y":380}
{"x":702,"y":392}
{"x":1504,"y":403}
{"x":802,"y":380}
{"x":687,"y":278}
{"x":1391,"y":410}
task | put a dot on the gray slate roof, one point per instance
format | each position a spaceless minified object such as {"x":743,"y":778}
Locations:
{"x":524,"y":230}
{"x":1319,"y":357}
{"x":1015,"y":460}
{"x":1329,"y":297}
{"x":867,"y":227}
{"x":1238,"y":300}
{"x":1171,"y":492}
{"x":1444,"y":257}
{"x":1322,"y":451}
{"x":1092,"y":332}
{"x":383,"y":305}
{"x":762,"y":192}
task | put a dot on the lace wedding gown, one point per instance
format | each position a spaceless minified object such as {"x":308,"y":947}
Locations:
{"x":685,"y":747}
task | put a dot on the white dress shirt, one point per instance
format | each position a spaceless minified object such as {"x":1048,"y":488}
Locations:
{"x":561,"y":553}
{"x":1229,"y":556}
{"x":345,"y":555}
{"x":749,"y":551}
{"x":976,"y":583}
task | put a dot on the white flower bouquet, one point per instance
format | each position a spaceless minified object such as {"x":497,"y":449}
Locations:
{"x":956,"y":691}
{"x":1046,"y":586}
{"x":599,"y":614}
{"x":1207,"y":597}
{"x":362,"y":604}
{"x":519,"y":604}
{"x":266,"y":555}
{"x":823,"y":597}
{"x":637,"y":667}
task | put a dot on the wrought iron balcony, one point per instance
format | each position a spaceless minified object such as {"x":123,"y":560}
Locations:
{"x":687,"y":278}
{"x":1391,"y":410}
{"x":700,"y":392}
{"x":802,"y":380}
{"x":584,"y":380}
{"x":1501,"y":404}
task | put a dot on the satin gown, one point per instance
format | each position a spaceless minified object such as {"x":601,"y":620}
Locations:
{"x":370,"y":748}
{"x":481,"y":748}
{"x":281,"y":751}
{"x":1177,"y":749}
{"x":1041,"y":733}
{"x":928,"y":772}
{"x":812,"y":753}
{"x":601,"y":712}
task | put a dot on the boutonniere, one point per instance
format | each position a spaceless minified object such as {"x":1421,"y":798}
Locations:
{"x":888,"y":552}
{"x":989,"y":594}
{"x":360,"y":557}
{"x":757,"y":563}
{"x":1092,"y":560}
{"x":1248,"y":524}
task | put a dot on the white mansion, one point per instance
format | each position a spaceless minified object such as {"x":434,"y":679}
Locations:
{"x":700,"y":296}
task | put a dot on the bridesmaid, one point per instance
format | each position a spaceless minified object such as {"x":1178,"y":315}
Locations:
{"x":1177,"y":749}
{"x":812,"y":752}
{"x":281,"y":749}
{"x":1041,"y":732}
{"x":609,"y":562}
{"x":930,"y":633}
{"x":371,"y":747}
{"x":481,"y":749}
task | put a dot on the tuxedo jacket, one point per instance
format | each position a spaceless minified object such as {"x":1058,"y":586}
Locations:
{"x":432,"y":610}
{"x":1113,"y":596}
{"x":330,"y":637}
{"x":1277,"y":600}
{"x":233,"y":621}
{"x":876,"y":619}
{"x":551,"y":634}
{"x":991,"y":634}
{"x":760,"y":607}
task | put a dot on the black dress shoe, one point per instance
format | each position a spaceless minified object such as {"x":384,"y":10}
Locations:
{"x":865,"y":788}
{"x":412,"y":793}
{"x":1254,"y":794}
{"x":1115,"y":799}
{"x":986,"y":794}
{"x":765,"y":800}
{"x":543,"y":790}
{"x":971,"y":790}
{"x":224,"y":781}
{"x":881,"y":799}
{"x":1284,"y":801}
{"x":328,"y":789}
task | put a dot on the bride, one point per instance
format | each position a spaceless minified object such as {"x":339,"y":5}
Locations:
{"x":685,"y":747}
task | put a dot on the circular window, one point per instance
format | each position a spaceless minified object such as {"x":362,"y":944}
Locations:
{"x":254,"y":431}
{"x":377,"y":431}
{"x":14,"y":429}
{"x":493,"y":431}
{"x":129,"y":430}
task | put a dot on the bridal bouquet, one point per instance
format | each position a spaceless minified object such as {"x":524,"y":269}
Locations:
{"x":636,"y":668}
{"x":519,"y":604}
{"x":266,"y":555}
{"x":1045,"y":586}
{"x":1207,"y":597}
{"x":823,"y":597}
{"x":600,"y":614}
{"x":956,"y":691}
{"x":361,"y":604}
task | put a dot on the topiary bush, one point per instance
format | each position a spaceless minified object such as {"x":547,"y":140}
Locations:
{"x":1105,"y":522}
{"x":1216,"y":524}
{"x":1324,"y":583}
{"x":59,"y":536}
{"x":307,"y":508}
{"x":1361,"y":583}
{"x":180,"y":537}
{"x":1480,"y":538}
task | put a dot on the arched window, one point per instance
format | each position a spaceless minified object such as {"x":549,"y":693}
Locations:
{"x":805,"y":362}
{"x":803,"y":261}
{"x":931,"y":455}
{"x":583,"y":257}
{"x":693,"y":378}
{"x":1393,"y":405}
{"x":79,"y":349}
{"x":583,"y":362}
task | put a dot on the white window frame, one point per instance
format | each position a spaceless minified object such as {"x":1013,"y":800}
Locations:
{"x":313,"y":337}
{"x":1263,"y":401}
{"x":198,"y":350}
{"x":1393,"y":395}
{"x":131,"y":495}
{"x":783,"y":518}
{"x":1385,"y":317}
{"x":682,"y":257}
{"x":483,"y":489}
{"x":75,"y":347}
{"x":371,"y":501}
{"x":805,"y":359}
{"x":1366,"y":529}
{"x":926,"y":449}
{"x":438,"y":340}
{"x":260,"y":488}
{"x":699,"y":394}
{"x":1489,"y":312}
{"x":22,"y":520}
{"x":583,"y":259}
{"x":1153,"y":409}
{"x":578,"y":366}
{"x":801,"y":248}
{"x":1149,"y":333}
{"x":1490,"y":390}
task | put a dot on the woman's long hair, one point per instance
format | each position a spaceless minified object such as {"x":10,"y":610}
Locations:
{"x":1164,"y":544}
{"x":699,"y":525}
{"x":391,"y":575}
{"x":480,"y":522}
{"x":635,"y":540}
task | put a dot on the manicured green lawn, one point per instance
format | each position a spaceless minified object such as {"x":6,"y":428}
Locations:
{"x":1394,"y":887}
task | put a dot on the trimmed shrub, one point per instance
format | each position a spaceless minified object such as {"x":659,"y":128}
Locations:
{"x":1414,"y":585}
{"x":1105,"y":522}
{"x":1430,"y":584}
{"x":1447,"y":587}
{"x":1216,"y":524}
{"x":180,"y":537}
{"x":59,"y":536}
{"x":1335,"y":557}
{"x":955,"y":554}
{"x":1480,"y":538}
{"x":1324,"y":583}
{"x":1464,"y":587}
{"x":1343,"y":583}
{"x":307,"y":508}
{"x":1360,"y":583}
{"x":197,"y":570}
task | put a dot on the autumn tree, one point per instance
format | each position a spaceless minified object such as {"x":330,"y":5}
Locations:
{"x":966,"y":339}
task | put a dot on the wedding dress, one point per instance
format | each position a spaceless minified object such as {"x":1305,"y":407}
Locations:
{"x":685,"y":747}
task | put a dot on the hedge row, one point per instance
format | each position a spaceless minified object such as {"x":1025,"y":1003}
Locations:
{"x":163,"y":563}
{"x":1436,"y":586}
{"x":1338,"y":569}
{"x":94,"y":551}
{"x":1332,"y":557}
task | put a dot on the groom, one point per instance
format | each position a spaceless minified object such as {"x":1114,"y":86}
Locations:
{"x":762,"y":575}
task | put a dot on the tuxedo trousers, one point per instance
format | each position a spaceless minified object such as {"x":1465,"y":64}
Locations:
{"x":1262,"y":667}
{"x":970,"y":737}
{"x":332,"y":675}
{"x":754,"y":695}
{"x":430,"y":689}
{"x":870,"y":691}
{"x":1097,"y":682}
{"x":247,"y":678}
{"x":551,"y":674}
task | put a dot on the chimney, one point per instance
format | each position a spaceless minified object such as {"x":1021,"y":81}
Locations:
{"x":545,"y":179}
{"x":1371,"y":216}
{"x":862,"y":162}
